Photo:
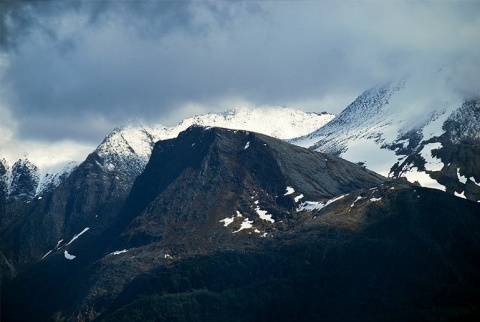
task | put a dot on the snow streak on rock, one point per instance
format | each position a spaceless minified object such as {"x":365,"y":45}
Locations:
{"x":316,"y":205}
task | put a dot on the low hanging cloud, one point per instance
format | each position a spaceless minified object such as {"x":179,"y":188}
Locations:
{"x":75,"y":69}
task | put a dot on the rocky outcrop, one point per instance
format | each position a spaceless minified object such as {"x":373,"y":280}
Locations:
{"x":23,"y":182}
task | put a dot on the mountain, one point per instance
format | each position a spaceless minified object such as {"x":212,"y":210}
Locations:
{"x":21,"y":181}
{"x":428,"y":134}
{"x":24,"y":180}
{"x":235,"y":225}
{"x":217,"y":174}
{"x":129,"y":147}
{"x":98,"y":187}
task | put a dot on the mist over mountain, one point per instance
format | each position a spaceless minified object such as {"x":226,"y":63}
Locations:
{"x":404,"y":128}
{"x":420,"y":129}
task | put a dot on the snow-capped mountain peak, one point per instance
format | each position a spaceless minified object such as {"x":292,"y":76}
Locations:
{"x":128,"y":148}
{"x":408,"y":128}
{"x":280,"y":122}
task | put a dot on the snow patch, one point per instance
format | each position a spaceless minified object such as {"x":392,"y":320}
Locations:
{"x":413,"y":174}
{"x":118,"y":252}
{"x":358,"y":198}
{"x":297,"y":198}
{"x":375,"y":199}
{"x":431,"y":163}
{"x":473,"y":180}
{"x":227,"y":221}
{"x":264,"y":215}
{"x":245,"y":225}
{"x":46,"y":254}
{"x":78,"y":235}
{"x":367,"y":150}
{"x":58,"y":243}
{"x":247,"y":145}
{"x":290,"y":190}
{"x":68,"y":256}
{"x":461,"y":178}
{"x":461,"y":195}
{"x":316,"y":205}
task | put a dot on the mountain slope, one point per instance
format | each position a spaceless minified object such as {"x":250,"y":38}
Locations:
{"x":401,"y":129}
{"x":203,"y":176}
{"x":30,"y":231}
{"x":101,"y":183}
{"x":225,"y":224}
{"x":217,"y":173}
{"x":366,"y":256}
{"x":131,"y":145}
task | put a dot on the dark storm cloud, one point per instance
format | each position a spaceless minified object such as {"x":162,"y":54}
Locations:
{"x":67,"y":59}
{"x":150,"y":18}
{"x":75,"y":69}
{"x":19,"y":17}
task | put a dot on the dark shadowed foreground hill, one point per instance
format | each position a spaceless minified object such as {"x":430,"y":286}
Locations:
{"x":227,"y":225}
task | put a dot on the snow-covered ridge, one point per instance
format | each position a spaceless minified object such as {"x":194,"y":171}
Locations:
{"x":24,"y":180}
{"x":369,"y":116}
{"x":51,"y":179}
{"x":416,"y":128}
{"x":130,"y":146}
{"x":281,"y":122}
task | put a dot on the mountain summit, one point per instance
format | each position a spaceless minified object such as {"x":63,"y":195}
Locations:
{"x":129,"y":147}
{"x":219,"y":174}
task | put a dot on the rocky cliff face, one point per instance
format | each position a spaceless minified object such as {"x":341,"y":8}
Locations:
{"x":91,"y":196}
{"x":453,"y":157}
{"x":23,"y":181}
{"x":3,"y":192}
{"x":250,"y":180}
{"x":225,"y":224}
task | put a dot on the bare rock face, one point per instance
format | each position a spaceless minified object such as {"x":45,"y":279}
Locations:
{"x":3,"y":190}
{"x":456,"y":150}
{"x":235,"y":225}
{"x":460,"y":152}
{"x":89,"y":197}
{"x":24,"y":181}
{"x":212,"y":174}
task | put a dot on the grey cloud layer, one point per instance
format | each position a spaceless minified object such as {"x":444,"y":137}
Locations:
{"x":71,"y":64}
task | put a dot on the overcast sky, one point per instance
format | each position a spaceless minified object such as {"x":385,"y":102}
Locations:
{"x":73,"y":70}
